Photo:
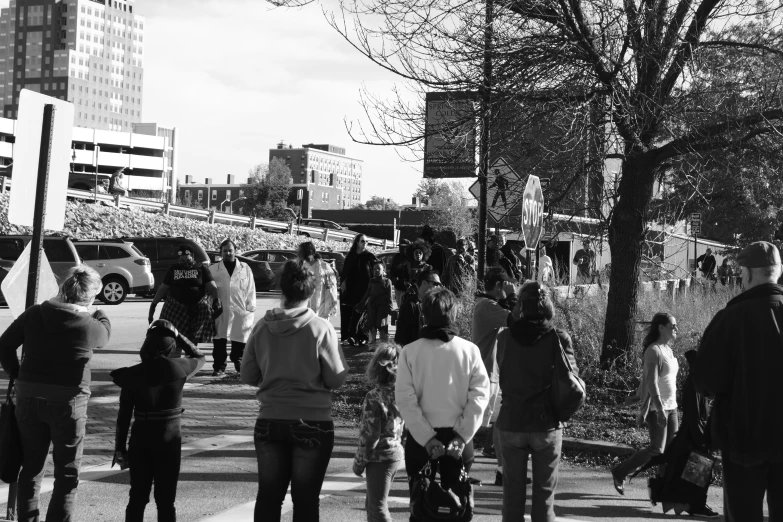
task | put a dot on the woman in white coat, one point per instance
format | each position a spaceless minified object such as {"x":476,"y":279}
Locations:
{"x":237,"y":290}
{"x":324,"y":300}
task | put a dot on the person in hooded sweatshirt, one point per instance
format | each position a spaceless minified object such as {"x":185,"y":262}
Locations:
{"x":53,"y":386}
{"x":294,"y":359}
{"x":151,"y":392}
{"x":526,"y":426}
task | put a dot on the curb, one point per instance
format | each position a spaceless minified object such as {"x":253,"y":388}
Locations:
{"x":608,"y":448}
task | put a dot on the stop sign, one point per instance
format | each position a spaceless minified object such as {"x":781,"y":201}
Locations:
{"x":532,"y":212}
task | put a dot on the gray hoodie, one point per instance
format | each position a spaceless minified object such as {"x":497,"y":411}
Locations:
{"x":294,"y":358}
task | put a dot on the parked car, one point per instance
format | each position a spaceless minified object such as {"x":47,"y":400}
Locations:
{"x":263,"y":276}
{"x":123,"y":268}
{"x":162,"y":253}
{"x":276,"y":259}
{"x":60,"y":252}
{"x":321,"y":223}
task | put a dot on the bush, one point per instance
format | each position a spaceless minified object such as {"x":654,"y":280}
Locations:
{"x":89,"y":221}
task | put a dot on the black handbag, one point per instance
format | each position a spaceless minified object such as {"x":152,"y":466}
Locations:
{"x":568,"y":391}
{"x":10,"y":441}
{"x":451,"y":500}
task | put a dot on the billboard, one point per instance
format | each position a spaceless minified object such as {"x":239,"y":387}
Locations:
{"x":450,"y":135}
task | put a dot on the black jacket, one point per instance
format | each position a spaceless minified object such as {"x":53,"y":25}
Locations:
{"x":739,"y":363}
{"x":357,"y":272}
{"x":525,"y":358}
{"x":397,"y":272}
{"x":438,"y":258}
{"x":409,"y":320}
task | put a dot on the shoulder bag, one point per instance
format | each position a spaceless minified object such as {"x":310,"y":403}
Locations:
{"x":568,"y":390}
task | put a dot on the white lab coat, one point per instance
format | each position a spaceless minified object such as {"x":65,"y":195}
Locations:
{"x":238,"y":295}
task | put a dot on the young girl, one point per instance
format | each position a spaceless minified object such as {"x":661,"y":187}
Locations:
{"x":380,"y":433}
{"x":377,"y":301}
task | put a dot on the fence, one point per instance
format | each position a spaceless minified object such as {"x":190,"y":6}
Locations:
{"x":211,"y":215}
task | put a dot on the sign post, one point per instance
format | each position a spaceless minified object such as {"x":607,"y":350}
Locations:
{"x":695,"y":230}
{"x":532,"y":216}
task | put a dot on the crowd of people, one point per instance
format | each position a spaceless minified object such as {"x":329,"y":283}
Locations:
{"x":429,"y":390}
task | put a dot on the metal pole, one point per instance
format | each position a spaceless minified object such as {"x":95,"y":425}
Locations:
{"x":484,"y":140}
{"x":695,"y":254}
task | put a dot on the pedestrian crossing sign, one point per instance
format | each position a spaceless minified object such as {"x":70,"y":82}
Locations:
{"x":504,"y":189}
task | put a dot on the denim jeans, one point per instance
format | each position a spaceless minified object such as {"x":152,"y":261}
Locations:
{"x":295,"y":453}
{"x":544,"y":449}
{"x":660,"y":437}
{"x":155,"y":454}
{"x":219,"y":353}
{"x":63,"y":425}
{"x":744,"y":487}
{"x":379,"y":480}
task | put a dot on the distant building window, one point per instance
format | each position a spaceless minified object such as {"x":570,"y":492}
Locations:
{"x":214,"y":195}
{"x":200,"y":195}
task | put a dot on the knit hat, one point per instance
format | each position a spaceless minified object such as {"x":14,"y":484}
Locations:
{"x":759,"y":255}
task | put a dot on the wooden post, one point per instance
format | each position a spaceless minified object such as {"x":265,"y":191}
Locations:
{"x":166,"y":206}
{"x":211,"y":217}
{"x":252,"y":222}
{"x":5,"y":184}
{"x":325,"y":234}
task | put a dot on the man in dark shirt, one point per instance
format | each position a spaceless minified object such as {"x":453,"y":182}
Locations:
{"x":708,"y":264}
{"x":409,"y":322}
{"x":437,"y":259}
{"x":584,"y":259}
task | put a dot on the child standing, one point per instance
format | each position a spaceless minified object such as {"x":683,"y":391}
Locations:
{"x":380,"y":449}
{"x":377,"y":301}
{"x":152,"y":394}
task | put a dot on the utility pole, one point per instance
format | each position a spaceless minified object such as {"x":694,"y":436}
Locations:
{"x":486,"y":92}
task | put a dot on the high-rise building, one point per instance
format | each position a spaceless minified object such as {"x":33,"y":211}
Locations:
{"x":330,"y":179}
{"x":89,"y":52}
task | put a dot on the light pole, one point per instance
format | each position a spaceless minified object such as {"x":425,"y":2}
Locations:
{"x":231,"y":205}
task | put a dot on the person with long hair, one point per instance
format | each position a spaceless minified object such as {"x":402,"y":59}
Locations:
{"x":53,"y":386}
{"x":418,"y":253}
{"x":380,"y":433}
{"x":354,"y":280}
{"x":237,"y":288}
{"x":657,"y":396}
{"x":324,"y":299}
{"x":294,"y":359}
{"x":527,"y":425}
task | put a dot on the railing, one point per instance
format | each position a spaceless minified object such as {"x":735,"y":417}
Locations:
{"x":211,"y":215}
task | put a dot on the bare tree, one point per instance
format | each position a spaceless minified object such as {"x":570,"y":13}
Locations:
{"x":653,"y":85}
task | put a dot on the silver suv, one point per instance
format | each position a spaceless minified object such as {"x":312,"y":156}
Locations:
{"x":123,"y":268}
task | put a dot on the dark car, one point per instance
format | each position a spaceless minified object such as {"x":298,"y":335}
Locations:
{"x":276,"y":259}
{"x":162,"y":253}
{"x":262,"y":274}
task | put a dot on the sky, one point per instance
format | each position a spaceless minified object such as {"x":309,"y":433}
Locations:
{"x":235,"y":77}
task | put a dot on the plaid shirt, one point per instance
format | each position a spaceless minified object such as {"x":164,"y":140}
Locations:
{"x":194,"y":322}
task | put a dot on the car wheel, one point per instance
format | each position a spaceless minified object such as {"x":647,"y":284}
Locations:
{"x":114,"y":291}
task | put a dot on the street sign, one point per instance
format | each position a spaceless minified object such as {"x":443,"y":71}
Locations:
{"x":532,"y":212}
{"x":695,"y":229}
{"x":450,"y":135}
{"x":26,"y":155}
{"x":503,"y":189}
{"x":695,"y":217}
{"x":14,"y":286}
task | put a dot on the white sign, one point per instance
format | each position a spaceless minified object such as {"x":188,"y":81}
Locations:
{"x":14,"y":286}
{"x":29,"y":126}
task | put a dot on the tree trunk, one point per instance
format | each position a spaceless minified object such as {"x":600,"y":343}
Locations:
{"x":626,"y":238}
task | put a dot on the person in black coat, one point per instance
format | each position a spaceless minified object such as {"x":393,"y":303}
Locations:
{"x":354,"y":280}
{"x":151,"y":392}
{"x":437,"y":258}
{"x":409,"y":322}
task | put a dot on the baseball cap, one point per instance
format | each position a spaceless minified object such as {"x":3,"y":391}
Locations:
{"x":758,"y":255}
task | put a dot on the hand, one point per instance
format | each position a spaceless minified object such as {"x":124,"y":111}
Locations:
{"x":435,"y":448}
{"x":121,"y":458}
{"x":151,"y":316}
{"x":455,"y":447}
{"x":660,"y":418}
{"x":358,"y":469}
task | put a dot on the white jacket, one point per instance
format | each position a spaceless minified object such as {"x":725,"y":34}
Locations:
{"x":441,"y":385}
{"x":237,"y":292}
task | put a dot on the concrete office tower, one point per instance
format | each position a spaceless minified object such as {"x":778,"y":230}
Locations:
{"x":89,"y":52}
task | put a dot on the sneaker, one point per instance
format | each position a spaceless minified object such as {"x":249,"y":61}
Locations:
{"x":489,"y":452}
{"x":498,"y":478}
{"x":704,"y":512}
{"x":238,"y":366}
{"x":619,"y":484}
{"x":218,"y":373}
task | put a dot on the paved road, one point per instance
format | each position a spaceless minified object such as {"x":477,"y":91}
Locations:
{"x":218,"y":479}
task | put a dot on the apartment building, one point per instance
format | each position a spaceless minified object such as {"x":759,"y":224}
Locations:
{"x":89,"y":52}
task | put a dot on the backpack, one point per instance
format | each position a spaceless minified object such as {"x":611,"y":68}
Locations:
{"x":568,"y":391}
{"x":451,"y":500}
